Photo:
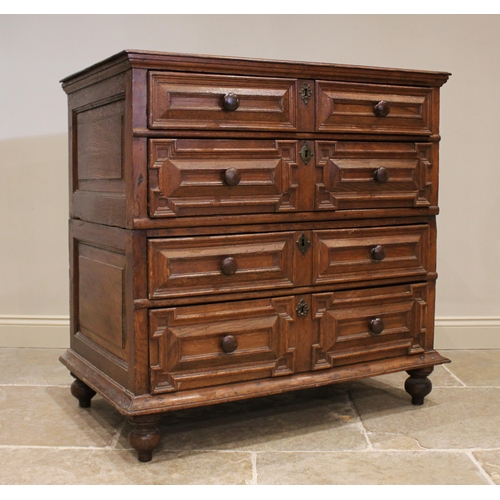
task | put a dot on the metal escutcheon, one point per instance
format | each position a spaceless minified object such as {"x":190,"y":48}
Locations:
{"x":306,"y":153}
{"x":302,"y":309}
{"x":305,"y":92}
{"x":303,"y":244}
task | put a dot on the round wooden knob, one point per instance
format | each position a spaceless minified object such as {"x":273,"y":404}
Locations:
{"x":378,"y":252}
{"x":381,"y":174}
{"x":376,"y":325}
{"x":230,"y":102}
{"x":383,"y":108}
{"x":232,"y":176}
{"x":229,"y":344}
{"x":229,"y":266}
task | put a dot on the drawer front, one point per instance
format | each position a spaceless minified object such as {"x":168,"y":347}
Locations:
{"x":200,"y":346}
{"x":363,"y":325}
{"x":194,"y":101}
{"x":358,"y":175}
{"x":367,"y":108}
{"x":223,"y":264}
{"x":347,"y":255}
{"x":189,"y":177}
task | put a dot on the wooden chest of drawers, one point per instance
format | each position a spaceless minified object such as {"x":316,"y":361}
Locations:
{"x":241,"y":228}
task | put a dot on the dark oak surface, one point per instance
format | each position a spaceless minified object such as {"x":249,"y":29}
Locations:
{"x":241,"y":228}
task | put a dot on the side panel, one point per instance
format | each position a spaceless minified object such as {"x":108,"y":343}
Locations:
{"x":98,"y":155}
{"x":102,"y":290}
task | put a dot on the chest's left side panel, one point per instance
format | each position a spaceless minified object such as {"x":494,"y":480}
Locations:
{"x":108,"y":335}
{"x":103,"y":156}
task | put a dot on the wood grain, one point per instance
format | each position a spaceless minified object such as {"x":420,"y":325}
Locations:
{"x":241,"y":228}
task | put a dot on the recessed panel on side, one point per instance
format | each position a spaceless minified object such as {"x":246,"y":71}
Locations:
{"x":101,"y":298}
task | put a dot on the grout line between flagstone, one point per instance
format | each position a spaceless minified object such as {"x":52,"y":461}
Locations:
{"x":255,"y":453}
{"x":453,"y":375}
{"x":116,"y":435}
{"x":37,"y":385}
{"x":361,"y":425}
{"x":255,"y":475}
{"x":476,"y":462}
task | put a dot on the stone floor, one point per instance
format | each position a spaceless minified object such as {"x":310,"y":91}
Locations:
{"x":364,"y":432}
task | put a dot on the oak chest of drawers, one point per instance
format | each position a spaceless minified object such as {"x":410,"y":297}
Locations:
{"x":241,"y":228}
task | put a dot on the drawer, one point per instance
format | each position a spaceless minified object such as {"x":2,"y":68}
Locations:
{"x":359,"y":175}
{"x":348,"y":255}
{"x":368,"y":108}
{"x":362,"y":325}
{"x":200,"y":346}
{"x":196,"y":101}
{"x":215,"y":176}
{"x":224,"y":264}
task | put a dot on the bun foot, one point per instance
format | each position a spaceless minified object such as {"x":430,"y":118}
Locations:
{"x":144,"y":436}
{"x":81,"y":391}
{"x":418,"y":385}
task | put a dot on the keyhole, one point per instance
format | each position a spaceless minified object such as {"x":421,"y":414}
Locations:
{"x":303,"y":244}
{"x":306,"y":153}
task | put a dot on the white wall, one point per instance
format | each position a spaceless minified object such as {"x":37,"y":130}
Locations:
{"x":37,"y":51}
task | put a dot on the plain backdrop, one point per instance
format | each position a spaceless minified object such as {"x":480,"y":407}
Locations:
{"x":38,"y":50}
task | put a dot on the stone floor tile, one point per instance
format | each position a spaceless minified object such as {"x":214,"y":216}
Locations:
{"x":50,"y":416}
{"x":475,"y":368}
{"x":81,"y":466}
{"x":316,"y":419}
{"x":393,"y":441}
{"x":490,"y":462}
{"x":374,"y":468}
{"x":363,"y":432}
{"x":33,"y":367}
{"x":451,"y":418}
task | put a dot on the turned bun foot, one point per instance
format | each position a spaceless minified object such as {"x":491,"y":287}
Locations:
{"x":418,"y":385}
{"x":144,"y":436}
{"x":82,"y":392}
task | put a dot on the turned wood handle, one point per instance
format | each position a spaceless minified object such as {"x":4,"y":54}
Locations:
{"x":229,"y":344}
{"x":232,"y":176}
{"x":229,"y":266}
{"x":230,"y":102}
{"x":381,"y":174}
{"x":378,"y":252}
{"x":383,"y":108}
{"x":376,"y":325}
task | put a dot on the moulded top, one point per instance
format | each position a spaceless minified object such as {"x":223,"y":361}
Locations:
{"x":256,"y":67}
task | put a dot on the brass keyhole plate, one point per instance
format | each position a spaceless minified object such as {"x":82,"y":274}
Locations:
{"x":305,"y":92}
{"x":302,"y":309}
{"x":303,"y":244}
{"x":306,"y":153}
